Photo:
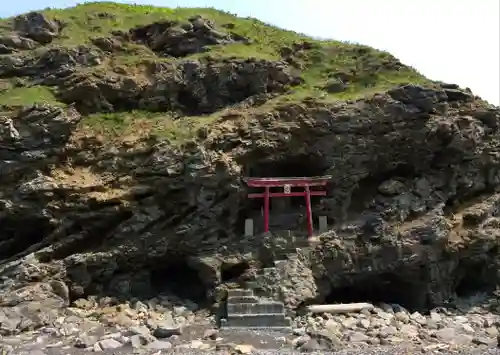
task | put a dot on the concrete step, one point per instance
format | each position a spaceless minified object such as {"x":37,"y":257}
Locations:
{"x":257,"y":321}
{"x":242,"y":299}
{"x":269,"y":307}
{"x":240,"y":292}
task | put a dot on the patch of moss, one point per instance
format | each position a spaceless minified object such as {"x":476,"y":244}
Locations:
{"x":139,"y":123}
{"x":19,"y":96}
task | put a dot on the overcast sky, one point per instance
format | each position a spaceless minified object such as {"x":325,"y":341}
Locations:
{"x":454,"y":41}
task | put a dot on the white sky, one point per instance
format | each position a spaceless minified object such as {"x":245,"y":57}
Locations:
{"x":454,"y":41}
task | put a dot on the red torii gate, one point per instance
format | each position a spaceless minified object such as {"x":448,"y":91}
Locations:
{"x":287,"y":183}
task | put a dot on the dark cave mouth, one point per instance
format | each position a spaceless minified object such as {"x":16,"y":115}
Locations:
{"x":472,"y":278}
{"x":301,"y":165}
{"x":175,"y":276}
{"x":384,"y":288}
{"x":410,"y":291}
{"x":233,"y":271}
{"x":18,"y":235}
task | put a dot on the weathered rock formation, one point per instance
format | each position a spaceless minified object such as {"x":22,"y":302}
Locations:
{"x":170,"y":38}
{"x":413,"y":200}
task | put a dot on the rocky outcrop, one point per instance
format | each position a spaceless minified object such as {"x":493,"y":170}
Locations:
{"x":170,"y":38}
{"x":11,"y":43}
{"x":36,"y":26}
{"x":50,"y":66}
{"x":190,"y":87}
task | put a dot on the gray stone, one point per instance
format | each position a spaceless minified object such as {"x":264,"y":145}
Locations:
{"x":409,"y":330}
{"x":385,"y":315}
{"x":138,"y":340}
{"x":300,"y":341}
{"x":492,"y":331}
{"x":479,"y":340}
{"x":463,"y":339}
{"x":403,"y":317}
{"x":446,"y":334}
{"x":311,"y":345}
{"x":106,"y":344}
{"x":467,"y":328}
{"x":210,"y":334}
{"x":435,"y":317}
{"x":392,"y":340}
{"x":159,"y":345}
{"x":349,"y":323}
{"x":386,"y":308}
{"x":386,"y":332}
{"x":364,"y":324}
{"x":358,"y":337}
{"x":299,"y":331}
{"x":85,"y":341}
{"x":166,"y":329}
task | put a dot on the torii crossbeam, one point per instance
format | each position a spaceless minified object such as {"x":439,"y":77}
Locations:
{"x":307,"y":183}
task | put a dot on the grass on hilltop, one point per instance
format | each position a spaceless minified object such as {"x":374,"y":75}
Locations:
{"x":319,"y":64}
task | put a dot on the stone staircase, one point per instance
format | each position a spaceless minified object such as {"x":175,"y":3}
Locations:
{"x":249,"y":307}
{"x":245,"y":310}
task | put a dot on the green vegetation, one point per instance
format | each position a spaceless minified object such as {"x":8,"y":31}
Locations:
{"x":96,"y":19}
{"x":20,"y":96}
{"x":139,"y":123}
{"x":321,"y":65}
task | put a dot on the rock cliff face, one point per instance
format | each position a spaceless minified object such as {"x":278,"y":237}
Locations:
{"x":413,"y":201}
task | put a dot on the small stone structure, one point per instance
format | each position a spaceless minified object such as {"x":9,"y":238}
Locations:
{"x":245,"y":310}
{"x":323,"y":224}
{"x":249,"y":227}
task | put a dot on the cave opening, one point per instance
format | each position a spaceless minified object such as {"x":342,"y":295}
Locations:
{"x":367,"y":188}
{"x":291,"y":166}
{"x":474,"y":277}
{"x":285,"y":212}
{"x":19,"y":234}
{"x":174,"y":275}
{"x":190,"y":104}
{"x":385,"y":288}
{"x":231,"y":271}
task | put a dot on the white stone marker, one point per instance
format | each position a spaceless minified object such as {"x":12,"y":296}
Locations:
{"x":249,"y":227}
{"x":323,"y":224}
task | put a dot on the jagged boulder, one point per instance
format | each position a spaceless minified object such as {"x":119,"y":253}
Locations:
{"x":37,"y":127}
{"x":50,"y":66}
{"x":107,"y":44}
{"x":37,"y":26}
{"x":170,"y":38}
{"x":11,"y":42}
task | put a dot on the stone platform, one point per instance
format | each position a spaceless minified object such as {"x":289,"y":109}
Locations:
{"x":245,"y":310}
